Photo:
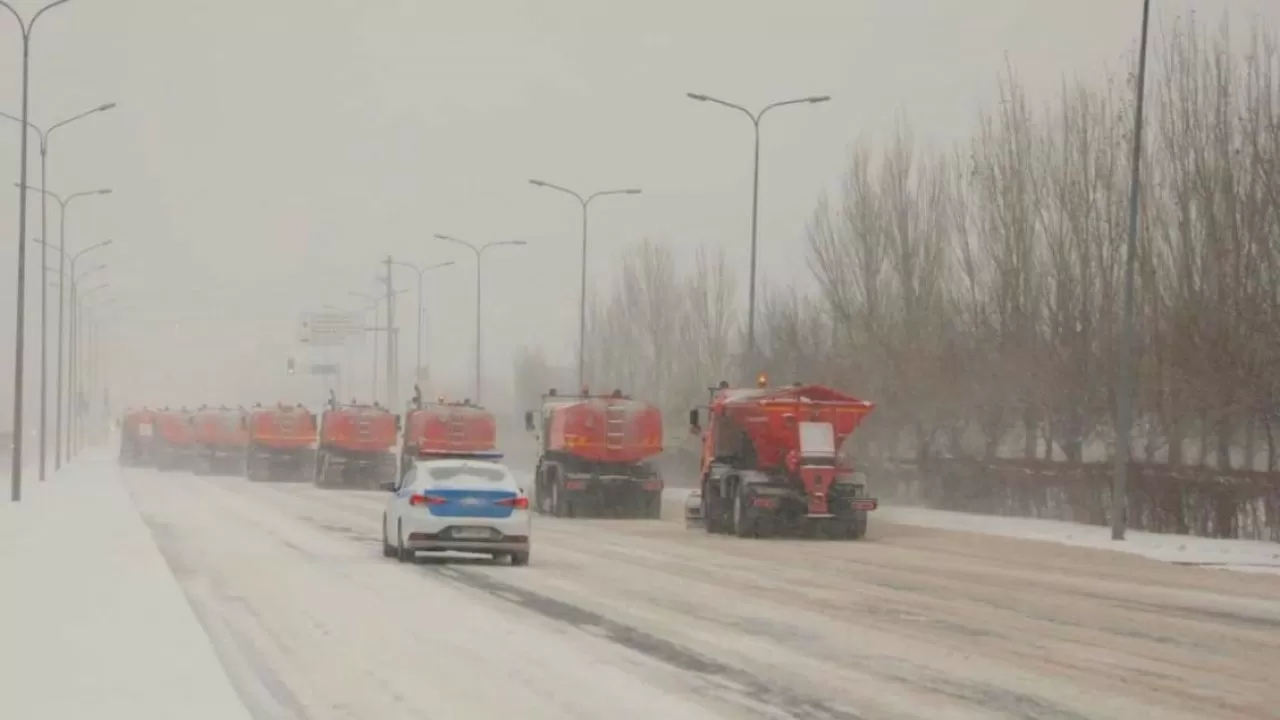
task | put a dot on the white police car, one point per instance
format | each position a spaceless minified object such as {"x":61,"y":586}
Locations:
{"x":467,"y":503}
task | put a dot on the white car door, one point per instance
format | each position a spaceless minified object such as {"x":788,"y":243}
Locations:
{"x":395,"y":506}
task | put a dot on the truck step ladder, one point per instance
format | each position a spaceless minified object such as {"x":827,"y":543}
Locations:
{"x":615,"y":426}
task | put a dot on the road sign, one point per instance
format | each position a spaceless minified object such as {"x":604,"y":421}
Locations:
{"x":324,"y":369}
{"x":330,"y":328}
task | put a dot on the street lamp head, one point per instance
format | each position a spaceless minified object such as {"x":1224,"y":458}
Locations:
{"x":518,"y":242}
{"x":106,"y":107}
{"x":440,"y":236}
{"x":818,"y":99}
{"x":103,"y":191}
{"x":697,"y":96}
{"x":631,"y":191}
{"x":106,"y":243}
{"x":539,"y":183}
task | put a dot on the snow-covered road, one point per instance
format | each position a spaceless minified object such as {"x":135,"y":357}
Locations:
{"x":642,"y":619}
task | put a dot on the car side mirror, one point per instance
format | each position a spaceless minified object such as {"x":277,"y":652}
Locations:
{"x":694,"y":424}
{"x":388,"y":485}
{"x":399,"y":423}
{"x":528,"y":420}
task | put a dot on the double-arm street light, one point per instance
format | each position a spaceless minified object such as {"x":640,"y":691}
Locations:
{"x":585,"y":201}
{"x":44,"y":136}
{"x":19,"y":345}
{"x":373,"y":304}
{"x":66,"y":259}
{"x":479,"y":251}
{"x":417,"y":337}
{"x":63,"y":204}
{"x":755,"y":202}
{"x":74,"y":418}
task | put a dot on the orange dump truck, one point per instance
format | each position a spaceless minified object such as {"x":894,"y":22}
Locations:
{"x":442,"y":428}
{"x":594,"y":456}
{"x":221,"y":439}
{"x":174,"y":440}
{"x":137,"y":428}
{"x":281,"y":443}
{"x":357,"y":445}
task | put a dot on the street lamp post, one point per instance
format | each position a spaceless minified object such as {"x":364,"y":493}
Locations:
{"x":19,"y":345}
{"x":479,"y":251}
{"x":1124,"y":394}
{"x":417,"y":352}
{"x":74,"y":424}
{"x":755,"y":201}
{"x":67,"y":259}
{"x":582,"y":293}
{"x":374,"y":304}
{"x":44,"y":135}
{"x":63,"y":203}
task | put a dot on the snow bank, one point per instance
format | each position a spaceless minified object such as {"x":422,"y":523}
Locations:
{"x":92,"y":622}
{"x":1243,"y":555}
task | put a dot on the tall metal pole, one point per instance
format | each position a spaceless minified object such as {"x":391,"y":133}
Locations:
{"x":479,"y":253}
{"x":420,"y":331}
{"x":582,"y":306}
{"x":44,"y":136}
{"x":1124,"y":381}
{"x":392,"y":400}
{"x":15,"y":490}
{"x":755,"y":206}
{"x":582,"y":292}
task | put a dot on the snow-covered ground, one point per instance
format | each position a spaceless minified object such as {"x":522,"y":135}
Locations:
{"x":92,"y":623}
{"x":1239,"y":555}
{"x":273,"y":601}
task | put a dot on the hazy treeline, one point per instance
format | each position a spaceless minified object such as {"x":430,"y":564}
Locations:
{"x":974,"y":292}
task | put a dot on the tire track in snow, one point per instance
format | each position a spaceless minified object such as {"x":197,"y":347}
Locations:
{"x":758,"y":692}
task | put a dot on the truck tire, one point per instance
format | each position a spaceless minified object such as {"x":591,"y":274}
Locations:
{"x":743,"y":526}
{"x":653,"y":506}
{"x":856,"y":529}
{"x":712,"y":517}
{"x":561,"y":506}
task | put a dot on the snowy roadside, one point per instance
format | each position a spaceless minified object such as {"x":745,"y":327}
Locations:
{"x":92,"y":620}
{"x":1237,"y":555}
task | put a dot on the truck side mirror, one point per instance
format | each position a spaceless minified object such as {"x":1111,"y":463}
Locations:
{"x":694,"y":427}
{"x":528,"y":420}
{"x":399,"y":423}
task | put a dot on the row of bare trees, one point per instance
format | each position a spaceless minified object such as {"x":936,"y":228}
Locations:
{"x":974,"y":292}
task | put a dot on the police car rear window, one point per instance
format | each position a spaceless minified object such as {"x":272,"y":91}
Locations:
{"x":466,"y":473}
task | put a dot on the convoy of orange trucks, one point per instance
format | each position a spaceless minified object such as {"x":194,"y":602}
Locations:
{"x":772,"y":457}
{"x":595,"y":456}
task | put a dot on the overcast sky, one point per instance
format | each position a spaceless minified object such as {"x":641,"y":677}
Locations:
{"x":267,"y":154}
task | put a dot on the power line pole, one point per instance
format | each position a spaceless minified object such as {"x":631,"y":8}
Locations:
{"x":1124,"y":381}
{"x":392,"y":391}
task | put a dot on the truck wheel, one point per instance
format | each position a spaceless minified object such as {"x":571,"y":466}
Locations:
{"x":743,"y":526}
{"x":856,"y":529}
{"x":560,"y":505}
{"x":653,"y":506}
{"x":712,"y":519}
{"x":520,"y":558}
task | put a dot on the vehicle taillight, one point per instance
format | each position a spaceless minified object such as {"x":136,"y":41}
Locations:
{"x":425,"y":500}
{"x":519,"y":503}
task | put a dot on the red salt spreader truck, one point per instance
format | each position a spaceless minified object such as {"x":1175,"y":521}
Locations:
{"x":594,"y":452}
{"x":771,"y":463}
